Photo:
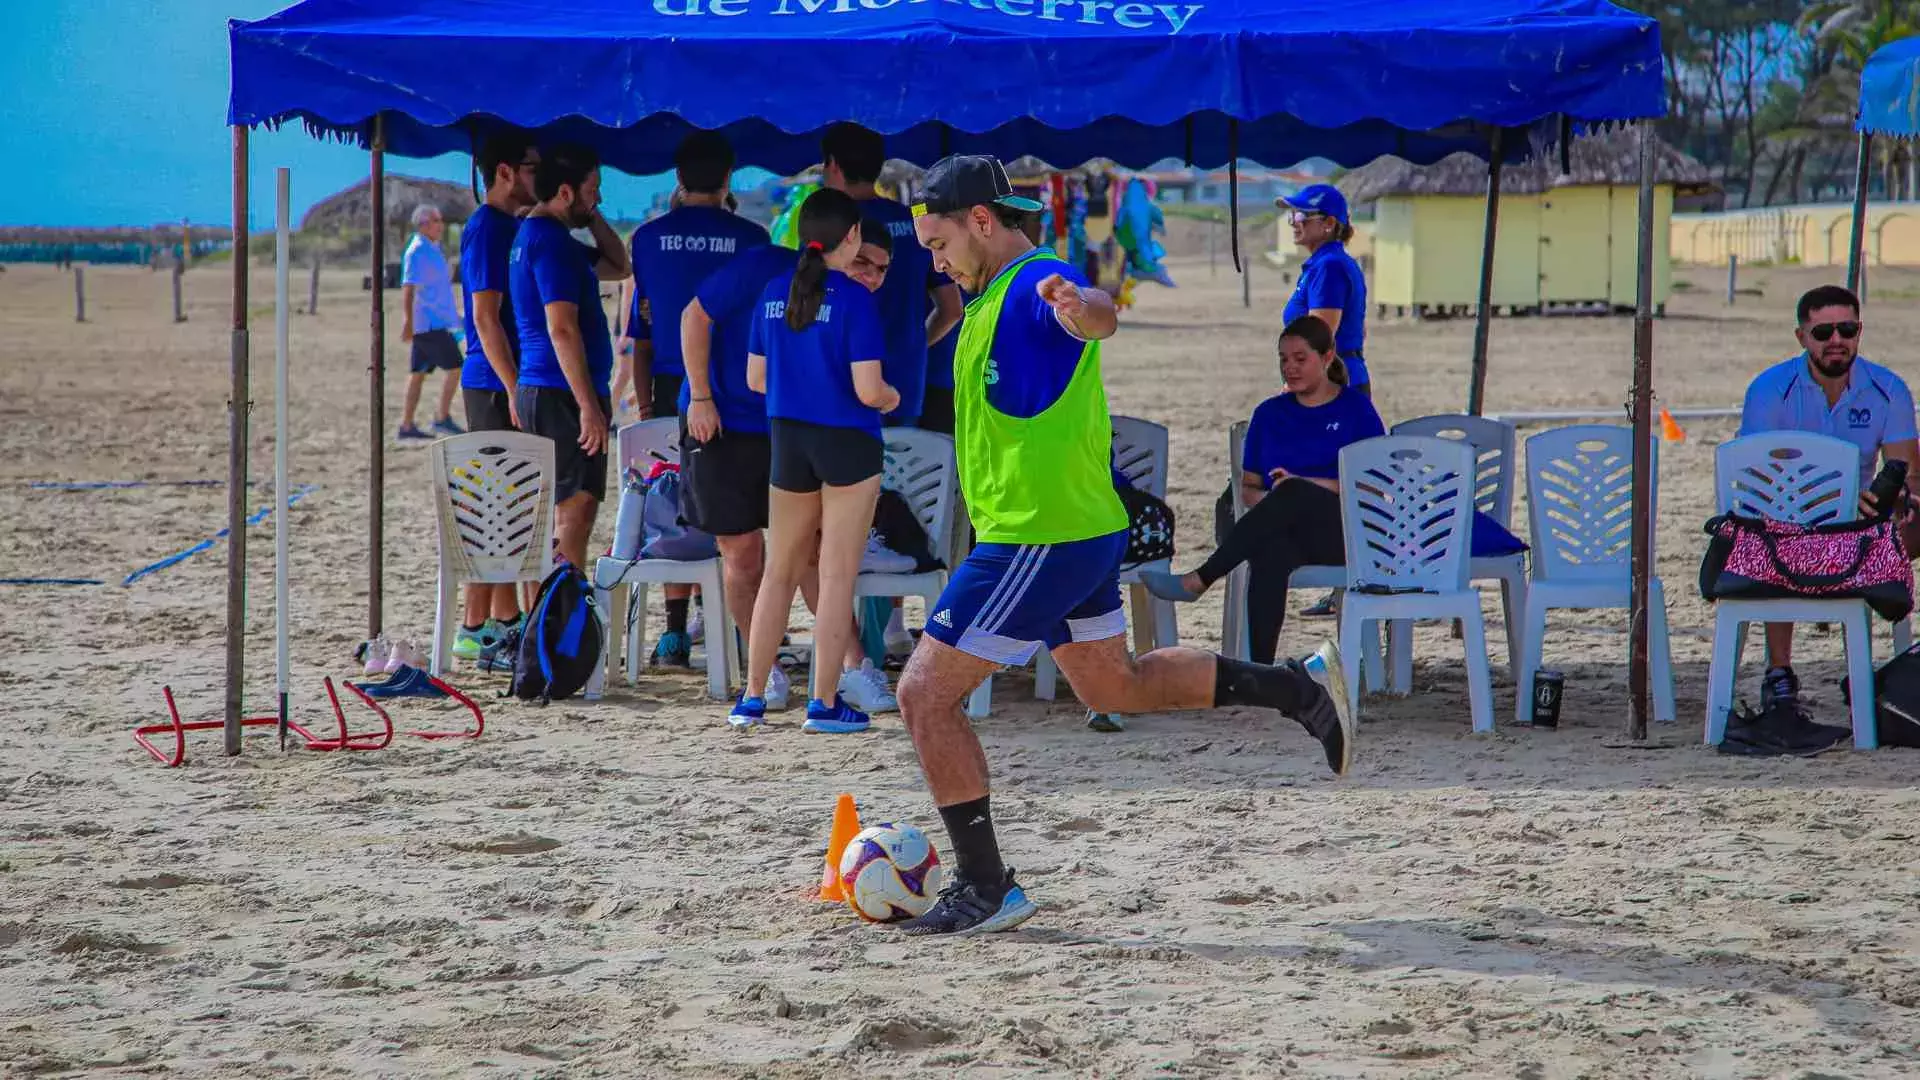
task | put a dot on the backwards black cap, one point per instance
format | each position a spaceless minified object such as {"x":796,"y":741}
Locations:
{"x":963,"y":181}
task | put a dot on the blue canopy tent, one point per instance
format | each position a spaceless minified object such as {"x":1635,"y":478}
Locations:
{"x":1212,"y":81}
{"x":1889,"y":106}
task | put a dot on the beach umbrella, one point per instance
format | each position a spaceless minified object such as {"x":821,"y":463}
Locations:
{"x":1210,"y":82}
{"x":1889,"y":108}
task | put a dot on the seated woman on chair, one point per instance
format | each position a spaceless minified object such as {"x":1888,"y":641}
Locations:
{"x":1290,"y":483}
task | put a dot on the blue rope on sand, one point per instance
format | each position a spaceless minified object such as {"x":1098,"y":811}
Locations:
{"x":103,"y":485}
{"x":50,"y":581}
{"x":179,"y":557}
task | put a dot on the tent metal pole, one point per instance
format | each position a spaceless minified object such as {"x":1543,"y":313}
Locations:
{"x":282,"y":306}
{"x":1483,"y":315}
{"x":237,"y":406}
{"x":1638,"y":669}
{"x":1856,"y":243}
{"x":377,"y":379}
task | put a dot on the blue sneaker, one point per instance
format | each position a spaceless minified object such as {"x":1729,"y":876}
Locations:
{"x":675,"y":650}
{"x":409,"y":681}
{"x":748,"y":712}
{"x":448,"y":427}
{"x":967,"y":908}
{"x":838,"y":718}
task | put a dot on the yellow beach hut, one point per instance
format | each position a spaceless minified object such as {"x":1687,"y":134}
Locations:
{"x":1565,"y":239}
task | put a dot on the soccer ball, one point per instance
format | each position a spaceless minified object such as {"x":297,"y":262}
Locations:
{"x":889,"y":873}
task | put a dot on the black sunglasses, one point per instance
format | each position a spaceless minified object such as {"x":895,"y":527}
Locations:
{"x":1825,"y":331}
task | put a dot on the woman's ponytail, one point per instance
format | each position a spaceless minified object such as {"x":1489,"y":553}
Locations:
{"x":825,"y":220}
{"x":1337,"y":371}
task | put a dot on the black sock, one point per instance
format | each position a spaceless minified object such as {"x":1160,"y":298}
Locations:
{"x":1279,"y":686}
{"x":677,"y":615}
{"x":976,"y":854}
{"x":471,"y":629}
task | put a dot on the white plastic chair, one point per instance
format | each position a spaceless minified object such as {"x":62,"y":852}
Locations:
{"x":920,"y":467}
{"x":1236,"y":638}
{"x":1580,"y":519}
{"x":1140,"y":452}
{"x":1406,"y":505}
{"x":1493,"y":446}
{"x":493,"y":512}
{"x":1805,"y":479}
{"x":639,"y":447}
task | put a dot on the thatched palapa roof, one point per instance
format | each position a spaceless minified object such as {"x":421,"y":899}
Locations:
{"x":1604,"y":159}
{"x":351,"y":210}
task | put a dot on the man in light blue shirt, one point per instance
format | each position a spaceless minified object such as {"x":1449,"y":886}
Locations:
{"x":1830,"y":389}
{"x":428,"y":323}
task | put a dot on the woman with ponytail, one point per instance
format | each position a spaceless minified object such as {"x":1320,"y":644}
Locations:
{"x":814,"y":348}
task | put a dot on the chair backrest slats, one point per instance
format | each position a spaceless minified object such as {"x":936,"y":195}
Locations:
{"x":493,"y":503}
{"x":644,"y":443}
{"x":1580,"y":501}
{"x":1791,"y":476}
{"x":1406,"y":506}
{"x":1493,"y":444}
{"x":1140,"y":452}
{"x":920,"y":467}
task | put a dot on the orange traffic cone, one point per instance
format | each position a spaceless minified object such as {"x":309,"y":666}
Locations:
{"x":1669,"y":430}
{"x":846,"y":826}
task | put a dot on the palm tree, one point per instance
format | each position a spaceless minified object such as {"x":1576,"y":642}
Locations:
{"x":1850,"y":31}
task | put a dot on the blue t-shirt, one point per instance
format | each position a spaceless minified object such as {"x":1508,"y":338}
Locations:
{"x":425,"y":268}
{"x":940,"y":361}
{"x":905,"y":302}
{"x":549,"y":266}
{"x":731,"y":298}
{"x":1875,"y":409}
{"x":1306,"y":440}
{"x":1330,"y":278}
{"x":1034,"y":356}
{"x":672,"y":255}
{"x":810,"y":372}
{"x":486,"y":244}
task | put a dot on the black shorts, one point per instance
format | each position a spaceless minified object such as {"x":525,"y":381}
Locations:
{"x":486,"y":409}
{"x":435,"y":350}
{"x":806,"y":456}
{"x":552,"y":413}
{"x":725,"y":490}
{"x":666,"y":395}
{"x":936,"y":411}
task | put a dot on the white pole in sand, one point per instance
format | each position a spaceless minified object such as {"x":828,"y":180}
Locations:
{"x":281,"y":265}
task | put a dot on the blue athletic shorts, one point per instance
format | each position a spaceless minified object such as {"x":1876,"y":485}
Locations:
{"x":1007,"y":600}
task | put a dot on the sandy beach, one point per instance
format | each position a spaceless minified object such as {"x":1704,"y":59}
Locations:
{"x":620,"y":888}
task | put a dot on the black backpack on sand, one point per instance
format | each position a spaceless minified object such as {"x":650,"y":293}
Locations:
{"x":561,"y":644}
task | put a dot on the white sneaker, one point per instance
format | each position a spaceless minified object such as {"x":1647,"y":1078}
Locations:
{"x":881,"y":559}
{"x":697,"y":626}
{"x":899,"y":641}
{"x":779,"y":690}
{"x":397,"y":656}
{"x":865,"y":688}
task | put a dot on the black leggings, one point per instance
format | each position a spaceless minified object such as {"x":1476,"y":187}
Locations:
{"x":1297,"y":524}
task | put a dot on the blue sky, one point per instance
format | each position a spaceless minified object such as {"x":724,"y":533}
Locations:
{"x":115,"y":115}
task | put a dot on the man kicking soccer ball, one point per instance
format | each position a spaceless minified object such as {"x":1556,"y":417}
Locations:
{"x":1033,"y":438}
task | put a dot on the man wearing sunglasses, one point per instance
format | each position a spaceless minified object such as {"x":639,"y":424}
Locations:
{"x":1830,"y":389}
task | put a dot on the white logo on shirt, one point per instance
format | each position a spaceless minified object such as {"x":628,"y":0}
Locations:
{"x":718,"y":245}
{"x":776,"y":310}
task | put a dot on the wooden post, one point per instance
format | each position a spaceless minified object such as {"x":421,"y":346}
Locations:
{"x":237,"y":406}
{"x":313,"y":285}
{"x":179,"y":303}
{"x":79,"y":293}
{"x":1642,"y":537}
{"x":1733,"y":276}
{"x":1246,"y":273}
{"x":1483,"y":317}
{"x":377,"y":379}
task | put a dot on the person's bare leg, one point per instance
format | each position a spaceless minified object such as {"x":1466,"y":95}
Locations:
{"x":745,"y":557}
{"x":412,"y":403}
{"x":479,"y":606}
{"x":850,"y":656}
{"x":1313,"y":693}
{"x":793,"y":518}
{"x":506,"y":604}
{"x":448,"y":386}
{"x":573,"y":525}
{"x":846,"y":513}
{"x":1779,"y":644}
{"x":933,"y":692}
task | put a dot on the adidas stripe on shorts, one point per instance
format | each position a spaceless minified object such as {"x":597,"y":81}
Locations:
{"x":1006,"y":601}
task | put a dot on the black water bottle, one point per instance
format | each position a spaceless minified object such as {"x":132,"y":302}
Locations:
{"x":1887,"y":486}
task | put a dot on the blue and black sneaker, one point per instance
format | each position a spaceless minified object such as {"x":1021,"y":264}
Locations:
{"x":748,"y":712}
{"x":838,"y":718}
{"x":968,"y":908}
{"x":675,"y":650}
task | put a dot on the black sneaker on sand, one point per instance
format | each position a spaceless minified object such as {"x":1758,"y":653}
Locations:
{"x":1779,"y":684}
{"x":1324,"y":712}
{"x":967,"y":908}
